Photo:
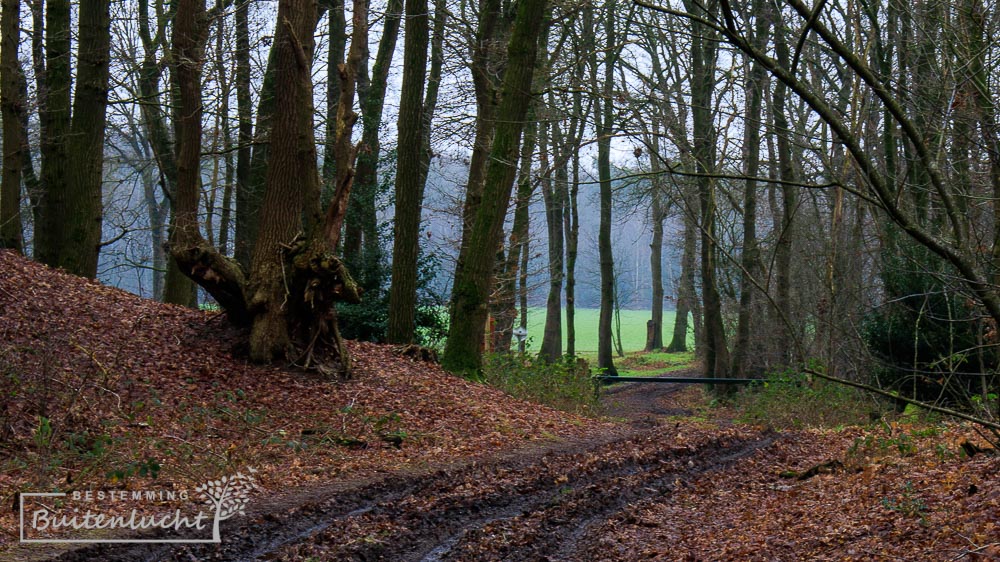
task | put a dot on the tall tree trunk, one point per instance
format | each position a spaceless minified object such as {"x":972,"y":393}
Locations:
{"x":291,"y":160}
{"x":189,"y":35}
{"x":433,"y":89}
{"x":573,"y":222}
{"x":157,"y":230}
{"x":248,"y":210}
{"x":751,"y":149}
{"x":551,"y":348}
{"x":409,"y":191}
{"x":13,"y":113}
{"x":654,"y":327}
{"x":605,"y":121}
{"x":177,"y":287}
{"x":686,"y":296}
{"x":703,"y":63}
{"x":86,"y":143}
{"x":55,"y":113}
{"x":336,"y":47}
{"x":504,"y":309}
{"x":248,"y":214}
{"x":244,"y":114}
{"x":73,"y":147}
{"x":362,"y":249}
{"x":789,"y":196}
{"x":294,"y":278}
{"x":485,"y":66}
{"x":225,"y":215}
{"x":473,"y":282}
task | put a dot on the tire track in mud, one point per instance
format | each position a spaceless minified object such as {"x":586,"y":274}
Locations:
{"x":536,"y":505}
{"x":538,"y":512}
{"x":551,"y":529}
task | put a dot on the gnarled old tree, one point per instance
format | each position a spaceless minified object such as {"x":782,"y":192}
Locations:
{"x":287,"y":297}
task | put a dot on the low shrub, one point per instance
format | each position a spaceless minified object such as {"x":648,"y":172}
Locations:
{"x":791,"y":400}
{"x":565,"y":384}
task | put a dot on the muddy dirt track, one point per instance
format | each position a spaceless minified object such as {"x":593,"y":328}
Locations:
{"x":543,"y":504}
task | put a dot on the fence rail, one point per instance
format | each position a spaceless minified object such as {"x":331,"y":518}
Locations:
{"x":677,"y":380}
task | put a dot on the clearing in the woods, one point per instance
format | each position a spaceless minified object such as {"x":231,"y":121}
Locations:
{"x":105,"y":391}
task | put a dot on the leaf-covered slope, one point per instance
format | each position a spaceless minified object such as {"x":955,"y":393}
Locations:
{"x":103,"y":388}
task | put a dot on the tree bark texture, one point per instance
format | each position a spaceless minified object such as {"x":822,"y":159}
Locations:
{"x":605,"y":118}
{"x":409,"y":189}
{"x":686,"y":296}
{"x":703,"y":61}
{"x":473,"y":283}
{"x":504,"y":308}
{"x":657,"y":214}
{"x":13,"y":111}
{"x":552,"y":191}
{"x":73,"y":145}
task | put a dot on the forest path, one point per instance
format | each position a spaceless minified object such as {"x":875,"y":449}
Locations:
{"x":539,"y":504}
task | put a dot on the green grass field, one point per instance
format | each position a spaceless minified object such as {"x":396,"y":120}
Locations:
{"x":633,"y":323}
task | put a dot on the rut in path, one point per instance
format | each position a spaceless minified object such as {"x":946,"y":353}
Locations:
{"x":532,"y":506}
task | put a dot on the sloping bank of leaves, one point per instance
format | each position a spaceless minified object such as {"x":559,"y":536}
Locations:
{"x":103,"y":389}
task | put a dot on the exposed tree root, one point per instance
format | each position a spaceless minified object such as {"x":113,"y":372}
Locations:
{"x":303,"y":323}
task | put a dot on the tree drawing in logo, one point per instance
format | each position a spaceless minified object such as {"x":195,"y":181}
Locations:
{"x":229,"y":496}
